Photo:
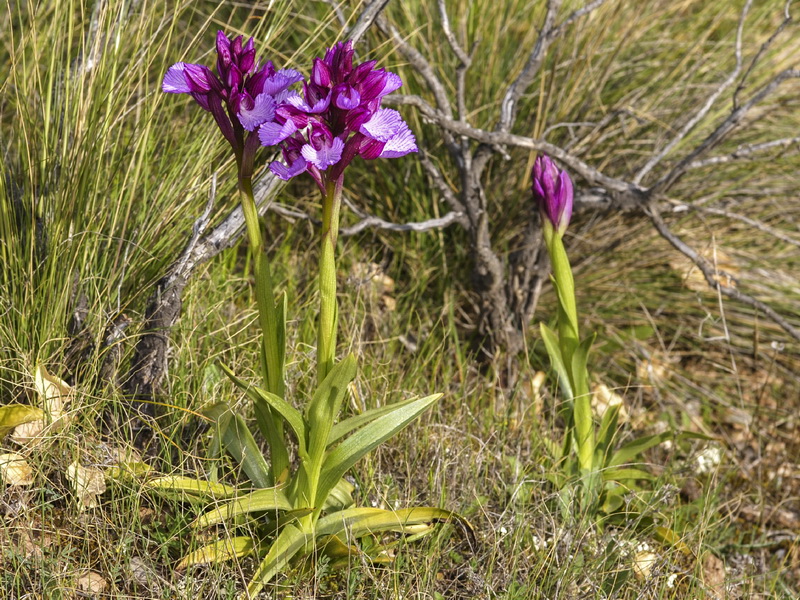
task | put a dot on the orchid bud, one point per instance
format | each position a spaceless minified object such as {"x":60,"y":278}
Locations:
{"x":552,"y":190}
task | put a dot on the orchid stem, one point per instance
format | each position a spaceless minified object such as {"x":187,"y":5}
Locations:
{"x":328,"y":313}
{"x":265,"y":298}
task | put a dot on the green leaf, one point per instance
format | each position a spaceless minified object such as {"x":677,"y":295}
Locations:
{"x":340,"y":497}
{"x":201,"y":488}
{"x":580,"y":358}
{"x":237,"y":439}
{"x":264,"y":500}
{"x":289,"y":413}
{"x":280,"y":333}
{"x":626,"y":474}
{"x":289,"y":542}
{"x":346,"y":454}
{"x":343,"y":428}
{"x":360,"y":521}
{"x":325,"y":406}
{"x":627,"y":453}
{"x":12,"y":415}
{"x":222,"y":550}
{"x":606,"y":435}
{"x":554,"y":352}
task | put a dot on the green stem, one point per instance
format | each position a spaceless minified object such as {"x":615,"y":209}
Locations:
{"x":265,"y":298}
{"x":569,"y":340}
{"x":328,"y":309}
{"x":565,"y":287}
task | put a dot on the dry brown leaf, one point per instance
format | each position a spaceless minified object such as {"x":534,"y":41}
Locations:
{"x":604,"y":398}
{"x":714,"y":574}
{"x":15,"y":470}
{"x":14,"y":415}
{"x":54,"y":395}
{"x":643,"y":563}
{"x":88,"y":483}
{"x":91,"y":583}
{"x":693,"y":277}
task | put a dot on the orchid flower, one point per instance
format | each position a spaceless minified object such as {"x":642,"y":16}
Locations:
{"x":241,"y":96}
{"x":337,"y":118}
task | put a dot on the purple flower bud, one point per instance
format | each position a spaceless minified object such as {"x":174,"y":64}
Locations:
{"x":552,"y":190}
{"x":320,"y":73}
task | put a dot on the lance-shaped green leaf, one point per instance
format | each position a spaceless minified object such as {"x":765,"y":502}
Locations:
{"x":626,"y":474}
{"x":554,"y":352}
{"x":289,"y":542}
{"x":260,"y":397}
{"x":264,"y":500}
{"x":201,"y":488}
{"x":342,"y":428}
{"x":340,"y":497}
{"x":12,"y":415}
{"x":606,"y":434}
{"x":627,"y":453}
{"x":360,"y":521}
{"x":219,"y":551}
{"x":237,"y":439}
{"x":325,"y":406}
{"x":346,"y":454}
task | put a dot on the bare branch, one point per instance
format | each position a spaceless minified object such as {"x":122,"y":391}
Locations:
{"x":787,"y":19}
{"x":743,"y":152}
{"x":419,"y":62}
{"x":438,"y":180}
{"x":497,"y":138}
{"x":508,"y":108}
{"x":365,"y":20}
{"x":450,"y":36}
{"x":700,"y":114}
{"x":711,"y":274}
{"x":378,"y":223}
{"x":776,"y":233}
{"x":722,"y":130}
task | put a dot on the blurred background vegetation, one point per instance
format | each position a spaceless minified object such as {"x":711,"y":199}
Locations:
{"x":102,"y":178}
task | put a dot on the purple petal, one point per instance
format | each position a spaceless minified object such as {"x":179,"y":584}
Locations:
{"x":371,"y":149}
{"x":321,"y":73}
{"x":325,"y":156}
{"x":318,"y":107}
{"x":263,"y":110}
{"x":280,"y":81}
{"x":402,"y":143}
{"x":223,"y":51}
{"x":271,"y":134}
{"x":393,"y":82}
{"x":346,"y":97}
{"x":286,"y":173}
{"x":199,"y":77}
{"x":384,"y":124}
{"x":175,"y":80}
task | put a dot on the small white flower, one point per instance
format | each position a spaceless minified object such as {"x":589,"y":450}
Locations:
{"x":709,"y":458}
{"x":503,"y":530}
{"x":671,"y":580}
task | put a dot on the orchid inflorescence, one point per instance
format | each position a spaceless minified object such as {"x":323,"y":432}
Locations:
{"x":337,"y":117}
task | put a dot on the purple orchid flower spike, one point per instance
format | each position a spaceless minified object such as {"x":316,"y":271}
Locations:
{"x":241,"y":96}
{"x":552,"y":190}
{"x":339,"y":117}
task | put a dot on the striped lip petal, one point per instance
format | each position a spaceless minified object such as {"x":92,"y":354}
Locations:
{"x":175,"y":80}
{"x":326,"y":156}
{"x":383,"y":125}
{"x":287,"y":172}
{"x":400,"y":144}
{"x":263,"y":110}
{"x":274,"y":133}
